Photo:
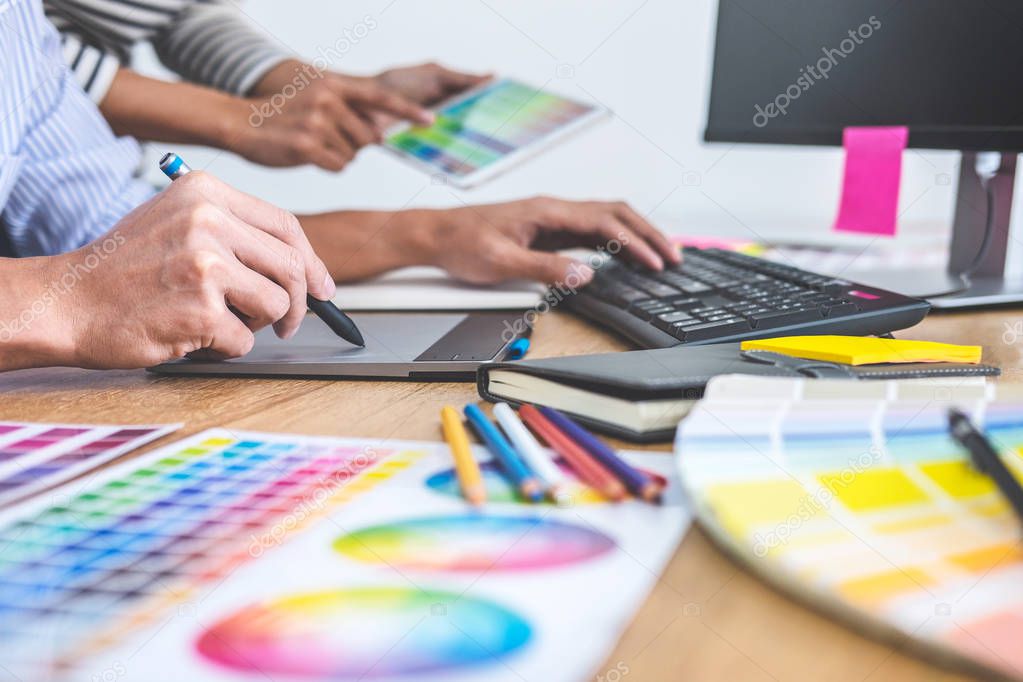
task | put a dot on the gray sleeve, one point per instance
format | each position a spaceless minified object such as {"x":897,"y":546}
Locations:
{"x":212,"y":44}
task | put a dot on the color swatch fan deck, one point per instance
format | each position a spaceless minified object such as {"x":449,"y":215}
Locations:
{"x":864,"y":505}
{"x":249,"y":556}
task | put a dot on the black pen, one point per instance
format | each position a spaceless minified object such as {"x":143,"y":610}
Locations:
{"x":173,"y":166}
{"x":985,"y":458}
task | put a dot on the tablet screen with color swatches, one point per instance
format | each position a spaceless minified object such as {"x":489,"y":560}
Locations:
{"x":873,"y":511}
{"x":263,"y":554}
{"x":487,"y":126}
{"x":35,"y":456}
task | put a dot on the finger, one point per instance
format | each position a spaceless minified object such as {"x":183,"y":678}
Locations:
{"x":545,"y":267}
{"x":267,"y":218}
{"x":374,"y":97}
{"x":651,"y":234}
{"x":598,"y":222}
{"x":335,"y":145}
{"x":229,"y":338}
{"x":269,"y":258}
{"x":259,"y":300}
{"x":356,"y":129}
{"x":456,"y":81}
{"x":332,"y":156}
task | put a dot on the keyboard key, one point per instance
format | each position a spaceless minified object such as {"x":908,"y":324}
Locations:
{"x":712,"y":330}
{"x":837,"y":310}
{"x":782,"y":318}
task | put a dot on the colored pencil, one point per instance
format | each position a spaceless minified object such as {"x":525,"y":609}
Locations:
{"x":469,"y":478}
{"x":533,"y":454}
{"x":585,"y":467}
{"x":638,"y":483}
{"x":511,"y":464}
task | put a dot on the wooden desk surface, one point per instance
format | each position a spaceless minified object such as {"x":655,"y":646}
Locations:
{"x":706,"y":619}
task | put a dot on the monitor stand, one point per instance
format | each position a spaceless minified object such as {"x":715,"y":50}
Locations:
{"x":988,"y":286}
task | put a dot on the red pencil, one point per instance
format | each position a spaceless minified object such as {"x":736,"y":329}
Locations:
{"x":589,"y":471}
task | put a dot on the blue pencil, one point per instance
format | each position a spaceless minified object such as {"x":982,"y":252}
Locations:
{"x":638,"y":483}
{"x":517,"y":471}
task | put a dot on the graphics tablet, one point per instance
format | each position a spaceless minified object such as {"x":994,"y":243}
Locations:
{"x":418,"y":347}
{"x":489,"y":129}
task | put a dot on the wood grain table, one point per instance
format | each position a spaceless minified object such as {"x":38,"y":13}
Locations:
{"x":706,"y":619}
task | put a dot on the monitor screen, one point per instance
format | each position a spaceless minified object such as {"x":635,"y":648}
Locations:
{"x":800,"y":71}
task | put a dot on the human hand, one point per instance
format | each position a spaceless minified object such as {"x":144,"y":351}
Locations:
{"x":489,"y":244}
{"x":325,"y":123}
{"x":428,"y":84}
{"x":195,"y":270}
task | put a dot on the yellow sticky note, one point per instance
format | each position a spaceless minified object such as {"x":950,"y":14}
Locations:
{"x":863,"y":350}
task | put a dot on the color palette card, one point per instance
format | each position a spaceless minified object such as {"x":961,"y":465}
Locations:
{"x":864,"y":506}
{"x":35,"y":456}
{"x":251,"y":556}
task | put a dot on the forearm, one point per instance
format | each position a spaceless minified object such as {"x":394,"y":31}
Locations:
{"x":34,"y":320}
{"x":359,"y":244}
{"x":151,"y":109}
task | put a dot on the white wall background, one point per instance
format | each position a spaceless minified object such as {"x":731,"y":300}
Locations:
{"x":648,"y":60}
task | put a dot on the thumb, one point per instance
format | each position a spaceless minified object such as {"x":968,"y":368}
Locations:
{"x":458,"y":80}
{"x":549,"y":268}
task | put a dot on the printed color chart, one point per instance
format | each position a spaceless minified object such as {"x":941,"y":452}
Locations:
{"x":348,"y":634}
{"x":867,"y":507}
{"x":36,"y":456}
{"x":486,"y":126}
{"x":257,"y":555}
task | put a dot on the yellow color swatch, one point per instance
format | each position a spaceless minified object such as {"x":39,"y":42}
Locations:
{"x":740,"y":506}
{"x":958,"y":478}
{"x":881,"y":586}
{"x":865,"y":350}
{"x":873,"y":489}
{"x":983,"y":560}
{"x":914,"y":523}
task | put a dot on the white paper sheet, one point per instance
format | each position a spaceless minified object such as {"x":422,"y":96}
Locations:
{"x":516,"y":591}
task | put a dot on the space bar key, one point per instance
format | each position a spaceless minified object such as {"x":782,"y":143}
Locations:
{"x":712,"y":330}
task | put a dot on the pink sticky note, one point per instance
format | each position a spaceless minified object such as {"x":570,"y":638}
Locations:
{"x":870,"y":189}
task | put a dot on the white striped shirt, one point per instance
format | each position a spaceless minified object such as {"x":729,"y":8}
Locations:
{"x":64,"y":178}
{"x":204,"y":41}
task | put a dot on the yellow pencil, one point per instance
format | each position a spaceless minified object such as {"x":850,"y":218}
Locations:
{"x":469,"y":477}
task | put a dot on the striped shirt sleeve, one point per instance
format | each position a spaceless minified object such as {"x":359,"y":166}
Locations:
{"x":93,"y":67}
{"x":211,"y":43}
{"x":72,"y":179}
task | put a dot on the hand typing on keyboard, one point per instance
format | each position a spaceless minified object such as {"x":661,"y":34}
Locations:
{"x":487,"y":244}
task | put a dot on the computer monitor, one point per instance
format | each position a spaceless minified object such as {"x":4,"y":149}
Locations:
{"x":801,"y":71}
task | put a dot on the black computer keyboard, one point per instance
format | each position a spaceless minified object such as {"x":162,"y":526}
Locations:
{"x":715,"y":296}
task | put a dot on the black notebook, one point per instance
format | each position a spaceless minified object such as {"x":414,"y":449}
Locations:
{"x":642,"y":395}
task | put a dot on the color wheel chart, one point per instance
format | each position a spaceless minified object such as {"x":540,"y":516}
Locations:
{"x":247,"y":556}
{"x":877,"y":516}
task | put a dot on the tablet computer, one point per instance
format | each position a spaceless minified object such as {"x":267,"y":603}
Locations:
{"x":489,"y":129}
{"x":416,"y":347}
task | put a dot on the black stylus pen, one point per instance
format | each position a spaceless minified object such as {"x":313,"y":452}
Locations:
{"x":985,"y":458}
{"x":173,"y":166}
